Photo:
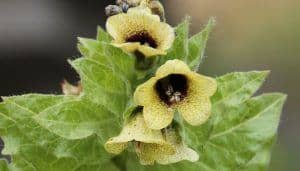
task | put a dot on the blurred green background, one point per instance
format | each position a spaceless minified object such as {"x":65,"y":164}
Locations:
{"x":38,"y":36}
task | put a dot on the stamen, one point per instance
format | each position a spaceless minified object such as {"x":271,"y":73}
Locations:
{"x":172,"y":89}
{"x":169,"y":91}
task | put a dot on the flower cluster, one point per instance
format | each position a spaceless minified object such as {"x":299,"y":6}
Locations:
{"x":140,"y":29}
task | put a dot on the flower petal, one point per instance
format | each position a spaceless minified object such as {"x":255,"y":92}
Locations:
{"x":148,"y":153}
{"x":196,"y":108}
{"x":145,"y":93}
{"x":149,"y":51}
{"x":182,"y":151}
{"x":157,"y":115}
{"x":206,"y":86}
{"x":128,"y":47}
{"x":172,"y":67}
{"x":114,"y":146}
{"x":134,"y":130}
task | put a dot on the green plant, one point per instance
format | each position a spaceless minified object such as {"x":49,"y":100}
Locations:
{"x":69,"y":132}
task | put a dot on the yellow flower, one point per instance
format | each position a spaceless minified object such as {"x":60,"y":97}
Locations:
{"x":175,"y":87}
{"x":148,"y":143}
{"x":139,"y":30}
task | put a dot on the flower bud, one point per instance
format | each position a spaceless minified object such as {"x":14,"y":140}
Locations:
{"x":111,"y":10}
{"x":158,"y":9}
{"x":131,"y":3}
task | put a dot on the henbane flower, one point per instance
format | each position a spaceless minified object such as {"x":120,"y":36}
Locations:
{"x":175,"y":87}
{"x":148,"y":143}
{"x":139,"y":30}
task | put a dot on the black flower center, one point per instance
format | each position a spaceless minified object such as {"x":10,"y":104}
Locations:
{"x":172,"y":88}
{"x":144,"y":38}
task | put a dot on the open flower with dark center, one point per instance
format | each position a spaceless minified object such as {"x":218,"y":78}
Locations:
{"x":175,"y":87}
{"x":148,"y":143}
{"x":140,"y":30}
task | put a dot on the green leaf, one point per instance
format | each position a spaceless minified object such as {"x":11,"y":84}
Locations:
{"x":19,"y":129}
{"x":38,"y":102}
{"x":79,"y":119}
{"x":260,"y":162}
{"x":102,"y":85}
{"x":242,"y":132}
{"x":108,"y":55}
{"x":235,"y":88}
{"x":4,"y":165}
{"x":197,"y":45}
{"x":103,"y":36}
{"x":34,"y":158}
{"x":179,"y":49}
{"x":109,"y":166}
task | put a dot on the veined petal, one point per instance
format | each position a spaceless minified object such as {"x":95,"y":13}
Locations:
{"x":196,"y":107}
{"x":206,"y":86}
{"x":196,"y":111}
{"x":114,"y":146}
{"x":136,"y":46}
{"x":149,"y":51}
{"x":182,"y":151}
{"x":148,"y":153}
{"x":172,"y":67}
{"x":128,"y":47}
{"x":156,"y":114}
{"x":134,"y":130}
{"x":145,"y":93}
